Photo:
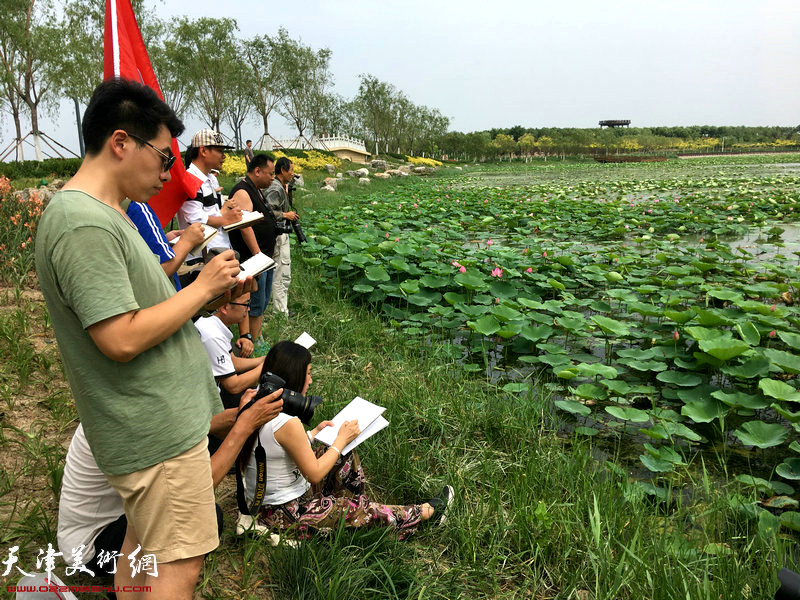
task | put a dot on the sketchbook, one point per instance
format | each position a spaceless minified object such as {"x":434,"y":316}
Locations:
{"x":208,"y":233}
{"x":370,"y":420}
{"x":248,"y":218}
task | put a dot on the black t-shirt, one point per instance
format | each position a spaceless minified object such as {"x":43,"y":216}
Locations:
{"x":264,"y":229}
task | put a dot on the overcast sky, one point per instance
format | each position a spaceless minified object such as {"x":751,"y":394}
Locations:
{"x":533,"y":63}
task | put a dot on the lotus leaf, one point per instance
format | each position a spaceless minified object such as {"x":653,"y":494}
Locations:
{"x":741,"y":400}
{"x":754,"y":367}
{"x":723,"y":348}
{"x":535,"y":333}
{"x":505,"y":313}
{"x":574,"y":325}
{"x":627,"y":413}
{"x":611,"y":326}
{"x":502,"y":289}
{"x":704,"y":333}
{"x":788,"y":362}
{"x":362,"y":288}
{"x":590,"y":391}
{"x":779,"y":390}
{"x":644,"y":365}
{"x":789,"y":468}
{"x":453,"y":298}
{"x":616,"y":386}
{"x":749,"y":333}
{"x":487,"y":325}
{"x":681,"y":378}
{"x":792,"y":417}
{"x":509,"y":330}
{"x":376,"y":273}
{"x":425,"y":298}
{"x":570,"y":373}
{"x":761,"y":435}
{"x":312,"y":261}
{"x":517,"y":387}
{"x":573,"y":407}
{"x":594,"y":369}
{"x":555,"y":284}
{"x":704,"y":411}
{"x":680,"y":317}
{"x":434,"y":281}
{"x":657,"y":465}
{"x":590,"y":431}
{"x":790,"y":339}
{"x":781,"y":502}
{"x":790,"y":520}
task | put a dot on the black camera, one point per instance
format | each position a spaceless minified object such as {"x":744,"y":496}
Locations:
{"x":298,"y":231}
{"x":282,"y":227}
{"x":292,"y":186}
{"x":294,"y":403}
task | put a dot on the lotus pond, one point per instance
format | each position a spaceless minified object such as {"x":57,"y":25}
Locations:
{"x":656,"y":301}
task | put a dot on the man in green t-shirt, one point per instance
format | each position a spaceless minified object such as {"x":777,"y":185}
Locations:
{"x":136,"y":366}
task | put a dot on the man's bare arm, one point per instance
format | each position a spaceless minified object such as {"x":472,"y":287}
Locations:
{"x":123,"y":337}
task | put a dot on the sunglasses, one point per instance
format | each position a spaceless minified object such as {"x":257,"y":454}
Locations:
{"x":245,"y":304}
{"x":167,"y":160}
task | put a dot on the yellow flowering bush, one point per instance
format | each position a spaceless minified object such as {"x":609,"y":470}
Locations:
{"x":235,"y":165}
{"x":425,"y":162}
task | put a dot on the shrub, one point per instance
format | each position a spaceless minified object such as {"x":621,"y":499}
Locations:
{"x":18,"y":220}
{"x":48,"y":168}
{"x":426,"y":162}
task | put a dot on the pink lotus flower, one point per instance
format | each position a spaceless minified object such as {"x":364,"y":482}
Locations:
{"x":462,"y":269}
{"x":397,"y":239}
{"x":529,"y":270}
{"x":497,"y":300}
{"x":455,"y":263}
{"x":544,"y":253}
{"x":497,"y":272}
{"x":772,"y":333}
{"x":387,"y":234}
{"x":525,"y":251}
{"x":773,"y":307}
{"x":489,"y":242}
{"x":675,"y":335}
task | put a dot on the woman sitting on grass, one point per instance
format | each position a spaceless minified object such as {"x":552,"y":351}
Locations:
{"x":316,"y":488}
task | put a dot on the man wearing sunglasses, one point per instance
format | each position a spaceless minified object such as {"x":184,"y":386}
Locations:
{"x":140,"y":379}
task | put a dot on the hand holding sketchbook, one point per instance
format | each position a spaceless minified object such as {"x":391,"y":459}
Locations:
{"x":208,"y":233}
{"x":368,"y":415}
{"x":252,"y":267}
{"x":248,"y":218}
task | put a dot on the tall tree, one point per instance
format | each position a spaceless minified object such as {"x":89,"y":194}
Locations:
{"x":238,"y":105}
{"x":29,"y":40}
{"x":210,"y":63}
{"x":306,"y":77}
{"x":264,"y":91}
{"x":374,"y":102}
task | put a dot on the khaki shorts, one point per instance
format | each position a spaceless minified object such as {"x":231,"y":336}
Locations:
{"x":171,"y":505}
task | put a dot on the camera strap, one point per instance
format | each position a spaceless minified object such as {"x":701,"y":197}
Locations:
{"x":261,"y":474}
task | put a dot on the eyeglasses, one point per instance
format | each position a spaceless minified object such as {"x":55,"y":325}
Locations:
{"x":167,"y":160}
{"x":245,"y":304}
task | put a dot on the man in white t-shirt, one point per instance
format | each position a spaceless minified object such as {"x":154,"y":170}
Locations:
{"x":206,"y":154}
{"x":233,"y":374}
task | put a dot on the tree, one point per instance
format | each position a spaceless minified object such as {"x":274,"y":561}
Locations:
{"x":264,"y":91}
{"x":28,"y":42}
{"x":374,"y":104}
{"x":504,"y":145}
{"x":527,"y":144}
{"x":238,"y":105}
{"x":304,"y":79}
{"x":211,"y":64}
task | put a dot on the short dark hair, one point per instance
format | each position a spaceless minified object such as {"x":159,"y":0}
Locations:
{"x":248,"y":141}
{"x":259,"y":162}
{"x":191,"y":153}
{"x":124,"y":104}
{"x":289,"y":361}
{"x":282,"y":164}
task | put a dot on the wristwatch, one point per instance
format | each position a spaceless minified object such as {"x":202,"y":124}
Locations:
{"x":246,"y":336}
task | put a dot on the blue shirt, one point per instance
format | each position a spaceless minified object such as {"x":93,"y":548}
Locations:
{"x":149,"y":228}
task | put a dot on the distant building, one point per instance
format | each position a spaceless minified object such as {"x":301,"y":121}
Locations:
{"x":615,"y":123}
{"x":343,"y":146}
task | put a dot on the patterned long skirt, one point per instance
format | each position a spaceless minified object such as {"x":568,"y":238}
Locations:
{"x":340,"y":496}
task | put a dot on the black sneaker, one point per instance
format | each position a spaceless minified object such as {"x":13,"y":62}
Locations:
{"x":441,"y":504}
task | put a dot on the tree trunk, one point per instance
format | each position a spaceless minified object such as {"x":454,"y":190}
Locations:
{"x":20,"y":152}
{"x":33,"y":106}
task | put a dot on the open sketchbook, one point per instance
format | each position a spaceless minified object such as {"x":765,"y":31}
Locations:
{"x":208,"y":233}
{"x":368,"y":415}
{"x":252,"y":267}
{"x":248,"y":218}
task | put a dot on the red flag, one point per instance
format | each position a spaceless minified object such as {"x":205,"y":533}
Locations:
{"x":125,"y":56}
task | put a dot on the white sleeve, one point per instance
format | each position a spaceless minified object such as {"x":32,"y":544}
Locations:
{"x":192,"y":211}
